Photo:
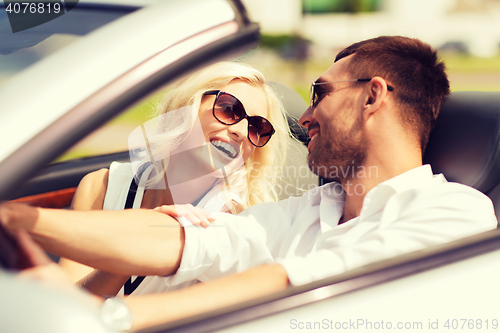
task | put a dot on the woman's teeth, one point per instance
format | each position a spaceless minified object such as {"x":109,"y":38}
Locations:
{"x":225,"y":148}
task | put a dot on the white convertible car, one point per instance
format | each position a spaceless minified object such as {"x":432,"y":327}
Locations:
{"x":124,"y":51}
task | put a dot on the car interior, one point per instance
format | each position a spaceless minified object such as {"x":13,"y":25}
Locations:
{"x":464,"y":146}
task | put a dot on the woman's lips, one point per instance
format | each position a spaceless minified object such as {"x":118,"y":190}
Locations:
{"x":230,"y":149}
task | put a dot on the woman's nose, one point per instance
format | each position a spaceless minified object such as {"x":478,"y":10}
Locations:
{"x":240,"y":129}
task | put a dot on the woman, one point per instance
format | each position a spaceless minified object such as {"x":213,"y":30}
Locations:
{"x":208,"y":146}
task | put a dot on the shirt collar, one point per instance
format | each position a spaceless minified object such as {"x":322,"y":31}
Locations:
{"x":331,"y":205}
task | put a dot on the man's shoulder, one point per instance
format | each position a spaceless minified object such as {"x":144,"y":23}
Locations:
{"x":439,"y":186}
{"x":443,"y":198}
{"x":421,"y":182}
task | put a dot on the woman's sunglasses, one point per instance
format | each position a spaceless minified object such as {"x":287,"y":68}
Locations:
{"x":228,"y":110}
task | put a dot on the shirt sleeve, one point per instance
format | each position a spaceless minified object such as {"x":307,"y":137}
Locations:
{"x":232,"y":243}
{"x":409,"y":222}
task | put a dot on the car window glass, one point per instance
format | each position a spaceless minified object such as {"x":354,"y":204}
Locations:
{"x":28,"y":45}
{"x":16,"y":61}
{"x":112,"y":137}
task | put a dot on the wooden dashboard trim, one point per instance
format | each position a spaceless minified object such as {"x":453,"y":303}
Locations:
{"x":54,"y":199}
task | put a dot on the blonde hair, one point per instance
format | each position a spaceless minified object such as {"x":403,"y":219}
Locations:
{"x":257,"y":182}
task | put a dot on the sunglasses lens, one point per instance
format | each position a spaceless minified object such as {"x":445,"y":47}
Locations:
{"x":228,"y":109}
{"x":312,"y":95}
{"x":260,"y":130}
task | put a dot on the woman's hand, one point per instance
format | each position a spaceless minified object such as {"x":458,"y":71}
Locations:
{"x":187,"y":214}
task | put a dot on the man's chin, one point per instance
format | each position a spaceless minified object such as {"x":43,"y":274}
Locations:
{"x":318,"y":170}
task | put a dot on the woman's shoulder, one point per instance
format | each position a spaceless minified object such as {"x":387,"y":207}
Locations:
{"x":91,"y":190}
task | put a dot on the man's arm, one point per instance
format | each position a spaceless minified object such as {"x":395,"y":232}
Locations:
{"x":156,"y":309}
{"x":133,"y":242}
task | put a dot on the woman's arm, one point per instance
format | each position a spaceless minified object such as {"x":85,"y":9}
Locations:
{"x":103,"y":283}
{"x":89,"y":196}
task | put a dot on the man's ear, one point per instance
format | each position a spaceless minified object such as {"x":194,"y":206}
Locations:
{"x":375,"y":93}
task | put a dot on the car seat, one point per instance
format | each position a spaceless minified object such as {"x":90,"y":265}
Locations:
{"x":295,"y":176}
{"x":465,"y":143}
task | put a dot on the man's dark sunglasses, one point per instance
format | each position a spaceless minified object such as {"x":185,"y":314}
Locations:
{"x":228,"y":110}
{"x":314,"y":96}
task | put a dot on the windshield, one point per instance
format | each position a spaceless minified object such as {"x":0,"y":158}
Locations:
{"x":21,"y":49}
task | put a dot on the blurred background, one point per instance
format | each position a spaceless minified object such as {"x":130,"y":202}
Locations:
{"x":300,"y":39}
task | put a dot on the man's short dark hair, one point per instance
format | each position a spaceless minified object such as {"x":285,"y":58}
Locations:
{"x":412,"y":67}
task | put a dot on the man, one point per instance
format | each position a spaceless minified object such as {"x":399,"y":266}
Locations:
{"x":369,"y":121}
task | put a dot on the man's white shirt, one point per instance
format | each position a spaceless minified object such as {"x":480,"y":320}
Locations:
{"x":406,"y":213}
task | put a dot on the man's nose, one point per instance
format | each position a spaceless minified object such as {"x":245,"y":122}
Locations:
{"x":306,"y":117}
